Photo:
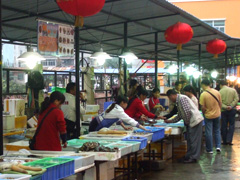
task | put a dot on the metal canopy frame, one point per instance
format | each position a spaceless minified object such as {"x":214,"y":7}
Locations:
{"x":145,"y":18}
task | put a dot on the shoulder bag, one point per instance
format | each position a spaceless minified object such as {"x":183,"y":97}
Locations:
{"x":215,"y":98}
{"x":33,"y":140}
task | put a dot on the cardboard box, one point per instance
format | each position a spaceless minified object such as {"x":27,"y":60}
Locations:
{"x":8,"y":122}
{"x":15,"y":106}
{"x":20,"y":122}
{"x":33,"y":122}
{"x":87,"y":117}
{"x":92,"y":109}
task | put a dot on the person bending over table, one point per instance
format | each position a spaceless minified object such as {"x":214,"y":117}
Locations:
{"x":136,"y":108}
{"x":188,"y":111}
{"x":114,"y":113}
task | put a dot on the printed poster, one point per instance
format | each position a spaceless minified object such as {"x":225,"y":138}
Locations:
{"x":55,"y":39}
{"x":65,"y":40}
{"x":47,"y":38}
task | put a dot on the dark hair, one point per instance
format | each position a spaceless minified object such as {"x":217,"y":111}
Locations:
{"x":119,"y":99}
{"x":141,"y":90}
{"x":132,"y":83}
{"x":155,"y":90}
{"x":56,"y":95}
{"x":177,"y":83}
{"x":223,"y":83}
{"x":206,"y":82}
{"x":189,"y":88}
{"x":171,"y":92}
{"x":70,"y":86}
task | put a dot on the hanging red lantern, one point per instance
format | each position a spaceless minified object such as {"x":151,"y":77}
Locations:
{"x":216,"y":46}
{"x":179,"y":33}
{"x":81,"y":8}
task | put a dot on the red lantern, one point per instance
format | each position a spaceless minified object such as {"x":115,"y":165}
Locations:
{"x":81,"y":8}
{"x":179,"y":33}
{"x":216,"y":46}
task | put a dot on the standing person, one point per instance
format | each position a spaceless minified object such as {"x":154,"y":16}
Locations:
{"x":229,"y":102}
{"x":154,"y":104}
{"x":53,"y":124}
{"x":132,"y":88}
{"x":114,"y":113}
{"x":178,"y":87}
{"x":193,"y":122}
{"x":211,"y":103}
{"x":190,"y":92}
{"x":69,"y":110}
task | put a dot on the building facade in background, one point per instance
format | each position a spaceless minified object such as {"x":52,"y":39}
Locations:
{"x":220,"y":14}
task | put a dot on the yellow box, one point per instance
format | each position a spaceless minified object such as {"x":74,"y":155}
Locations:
{"x":20,"y":122}
{"x":16,"y":146}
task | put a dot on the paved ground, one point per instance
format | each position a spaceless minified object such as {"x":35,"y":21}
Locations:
{"x":224,"y":166}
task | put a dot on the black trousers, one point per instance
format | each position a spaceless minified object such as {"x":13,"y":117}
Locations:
{"x":71,"y":129}
{"x":93,"y":125}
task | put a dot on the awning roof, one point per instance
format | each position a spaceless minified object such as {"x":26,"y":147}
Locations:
{"x":144,"y":18}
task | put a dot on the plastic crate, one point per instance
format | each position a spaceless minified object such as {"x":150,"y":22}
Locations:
{"x":143,"y":140}
{"x":135,"y":145}
{"x":65,"y":166}
{"x":15,"y":176}
{"x":37,"y":177}
{"x":78,"y":160}
{"x":62,"y":90}
{"x":158,"y":132}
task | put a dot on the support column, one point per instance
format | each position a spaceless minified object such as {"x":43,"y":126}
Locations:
{"x":156,"y":59}
{"x":124,"y":63}
{"x":178,"y":64}
{"x":82,"y":59}
{"x":1,"y":102}
{"x":199,"y":66}
{"x":226,"y":64}
{"x":77,"y":80}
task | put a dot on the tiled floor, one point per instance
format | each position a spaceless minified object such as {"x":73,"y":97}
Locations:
{"x":224,"y":166}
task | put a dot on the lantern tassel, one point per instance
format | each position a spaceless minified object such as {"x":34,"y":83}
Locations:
{"x":215,"y":56}
{"x":179,"y":47}
{"x":79,"y":21}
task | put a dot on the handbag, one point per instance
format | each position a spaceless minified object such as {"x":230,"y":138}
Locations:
{"x":33,"y":140}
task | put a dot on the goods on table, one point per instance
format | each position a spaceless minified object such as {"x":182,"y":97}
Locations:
{"x":22,"y":169}
{"x":108,"y":131}
{"x":96,"y":147}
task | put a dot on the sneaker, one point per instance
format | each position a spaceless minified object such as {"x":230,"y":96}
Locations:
{"x":209,"y":152}
{"x":218,"y":150}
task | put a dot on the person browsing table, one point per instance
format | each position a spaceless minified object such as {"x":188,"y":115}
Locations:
{"x":114,"y":113}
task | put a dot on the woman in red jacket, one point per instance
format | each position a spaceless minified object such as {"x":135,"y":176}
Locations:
{"x":154,"y":103}
{"x":136,"y":108}
{"x":53,"y":126}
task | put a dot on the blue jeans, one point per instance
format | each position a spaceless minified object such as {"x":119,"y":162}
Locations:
{"x":228,"y":118}
{"x":212,"y":126}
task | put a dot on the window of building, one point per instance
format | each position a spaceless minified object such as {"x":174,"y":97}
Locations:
{"x":218,"y":24}
{"x":49,"y":63}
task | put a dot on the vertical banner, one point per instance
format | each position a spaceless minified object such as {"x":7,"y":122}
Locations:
{"x":47,"y":38}
{"x":65,"y":40}
{"x":55,"y":39}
